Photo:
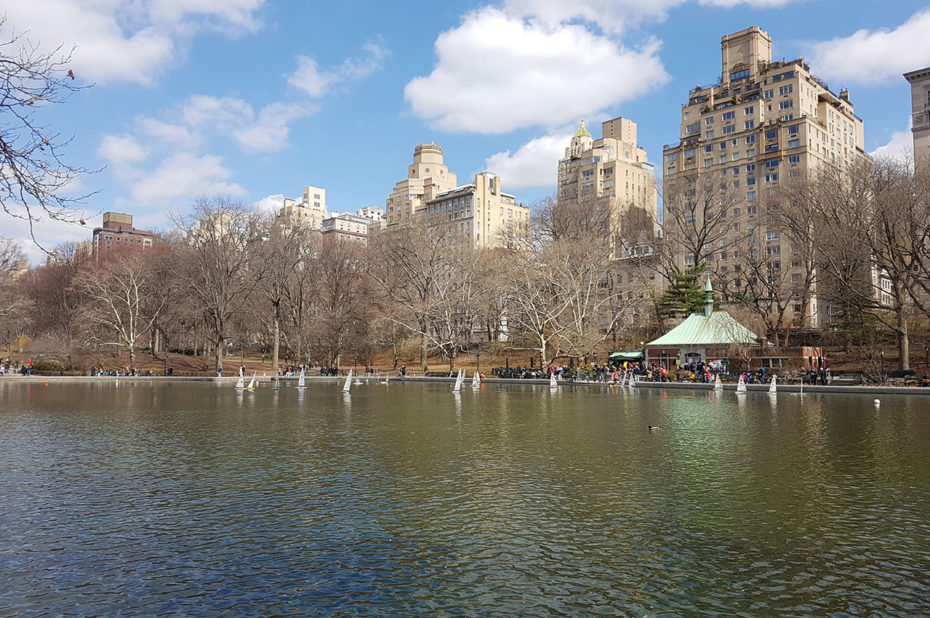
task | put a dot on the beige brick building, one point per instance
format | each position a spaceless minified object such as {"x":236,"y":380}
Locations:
{"x":309,"y":211}
{"x":764,"y":123}
{"x":920,"y":113}
{"x":479,"y":211}
{"x":611,"y":174}
{"x":426,"y":176}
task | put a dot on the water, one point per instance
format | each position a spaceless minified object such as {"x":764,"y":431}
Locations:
{"x":405,"y":499}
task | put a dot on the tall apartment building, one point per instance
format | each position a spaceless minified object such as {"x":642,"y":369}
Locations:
{"x":309,"y":211}
{"x":920,"y":113}
{"x":117,"y":232}
{"x":764,"y":123}
{"x":611,"y":174}
{"x":426,"y":176}
{"x":480,"y":211}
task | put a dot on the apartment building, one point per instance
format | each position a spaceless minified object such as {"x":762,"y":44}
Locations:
{"x":480,"y":211}
{"x":117,"y":232}
{"x":611,"y":175}
{"x":309,"y":211}
{"x":920,"y":113}
{"x":427,"y":176}
{"x":347,"y":226}
{"x":763,"y":124}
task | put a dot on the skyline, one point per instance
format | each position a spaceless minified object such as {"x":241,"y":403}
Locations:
{"x":235,"y":98}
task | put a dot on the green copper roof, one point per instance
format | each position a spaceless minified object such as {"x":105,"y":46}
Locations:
{"x":720,"y":328}
{"x":582,"y":131}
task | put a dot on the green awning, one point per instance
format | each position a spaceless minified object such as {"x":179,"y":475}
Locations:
{"x":626,"y":356}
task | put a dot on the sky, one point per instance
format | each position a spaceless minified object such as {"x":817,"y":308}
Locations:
{"x":255,"y":99}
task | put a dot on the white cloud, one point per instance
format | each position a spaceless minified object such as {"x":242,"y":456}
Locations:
{"x":269,"y":205}
{"x":309,"y":78}
{"x":870,"y":57}
{"x":185,"y":176}
{"x":264,"y":131}
{"x":126,"y":40}
{"x":900,"y":145}
{"x":49,"y":232}
{"x":174,"y":134}
{"x":614,"y":16}
{"x":496,"y":73}
{"x":534,"y":164}
{"x":121,"y":149}
{"x":270,"y":130}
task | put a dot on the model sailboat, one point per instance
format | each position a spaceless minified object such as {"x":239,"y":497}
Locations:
{"x":251,"y":385}
{"x":772,"y":388}
{"x":741,"y":385}
{"x":718,"y":385}
{"x":476,"y":381}
{"x":348,"y":384}
{"x":458,"y":381}
{"x":553,"y":382}
{"x":302,"y":380}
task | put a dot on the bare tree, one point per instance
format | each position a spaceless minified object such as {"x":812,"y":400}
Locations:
{"x":699,"y":219}
{"x":413,"y":269}
{"x":343,"y":299}
{"x":280,"y":255}
{"x":222,"y":237}
{"x":871,"y":240}
{"x":122,"y":299}
{"x":34,"y":175}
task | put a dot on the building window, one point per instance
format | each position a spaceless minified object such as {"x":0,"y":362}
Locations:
{"x":749,"y":124}
{"x":750,"y":139}
{"x":729,"y":129}
{"x":729,"y":116}
{"x":793,"y":129}
{"x":786,"y":104}
{"x":786,"y":89}
{"x":794,"y":159}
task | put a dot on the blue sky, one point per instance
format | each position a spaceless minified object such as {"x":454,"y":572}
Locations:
{"x":258,"y":98}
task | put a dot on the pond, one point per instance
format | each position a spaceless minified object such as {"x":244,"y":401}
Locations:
{"x":403,"y":498}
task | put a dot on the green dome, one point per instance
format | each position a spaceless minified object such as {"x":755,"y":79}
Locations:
{"x":582,"y":131}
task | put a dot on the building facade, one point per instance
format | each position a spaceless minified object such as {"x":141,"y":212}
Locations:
{"x":920,"y":113}
{"x":612,"y":175}
{"x":427,"y":176}
{"x":480,"y":211}
{"x":309,"y":211}
{"x":117,"y":233}
{"x":762,"y":125}
{"x":346,"y":226}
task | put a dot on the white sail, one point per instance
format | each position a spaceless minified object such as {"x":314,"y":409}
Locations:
{"x":718,"y":385}
{"x":553,"y":382}
{"x":348,"y":384}
{"x":251,"y":386}
{"x":240,"y":383}
{"x":459,"y":378}
{"x":476,"y":380}
{"x":741,"y":386}
{"x":302,"y":380}
{"x":772,"y":388}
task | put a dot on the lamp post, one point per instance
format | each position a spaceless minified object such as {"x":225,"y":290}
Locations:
{"x":881,"y":353}
{"x":477,"y":362}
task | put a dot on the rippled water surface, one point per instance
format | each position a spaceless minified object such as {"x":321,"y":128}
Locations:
{"x":195,"y":499}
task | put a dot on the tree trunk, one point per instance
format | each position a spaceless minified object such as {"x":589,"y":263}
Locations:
{"x":277,"y":338}
{"x":219,"y":355}
{"x":423,"y":358}
{"x":904,"y":344}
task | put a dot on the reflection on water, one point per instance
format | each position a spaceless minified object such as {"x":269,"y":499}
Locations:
{"x":188,"y":498}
